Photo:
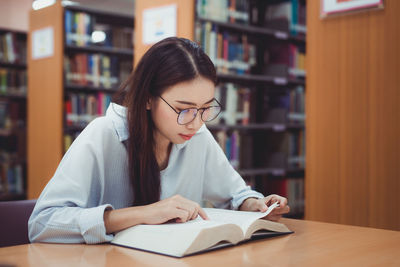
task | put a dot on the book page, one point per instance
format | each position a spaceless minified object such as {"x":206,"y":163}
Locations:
{"x":241,"y":218}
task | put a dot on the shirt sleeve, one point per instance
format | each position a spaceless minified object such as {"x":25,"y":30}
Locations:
{"x":223,"y":185}
{"x":69,"y":209}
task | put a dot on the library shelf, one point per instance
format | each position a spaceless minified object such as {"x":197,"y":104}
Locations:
{"x":122,"y":52}
{"x":276,"y":127}
{"x":258,"y":78}
{"x":13,"y":96}
{"x":77,"y":58}
{"x":12,"y":65}
{"x":13,"y":104}
{"x":12,"y":131}
{"x":261,"y":85}
{"x":256,"y":30}
{"x":88,"y":88}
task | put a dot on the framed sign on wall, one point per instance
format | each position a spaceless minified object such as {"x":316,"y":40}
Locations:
{"x":338,"y":7}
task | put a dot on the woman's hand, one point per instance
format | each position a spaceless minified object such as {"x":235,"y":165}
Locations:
{"x":175,"y":208}
{"x":262,"y":204}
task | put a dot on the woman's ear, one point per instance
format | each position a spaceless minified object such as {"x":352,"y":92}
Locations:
{"x":148,"y":104}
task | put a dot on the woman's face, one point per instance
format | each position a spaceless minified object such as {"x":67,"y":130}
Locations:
{"x":197,"y":93}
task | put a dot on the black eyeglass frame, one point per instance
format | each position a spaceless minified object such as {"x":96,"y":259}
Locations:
{"x":199,"y":110}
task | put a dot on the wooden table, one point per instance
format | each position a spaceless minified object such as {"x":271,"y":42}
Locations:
{"x":312,"y":244}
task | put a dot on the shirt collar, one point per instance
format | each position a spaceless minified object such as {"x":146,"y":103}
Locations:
{"x":118,"y":115}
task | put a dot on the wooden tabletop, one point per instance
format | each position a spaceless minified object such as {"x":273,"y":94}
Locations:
{"x":312,"y":244}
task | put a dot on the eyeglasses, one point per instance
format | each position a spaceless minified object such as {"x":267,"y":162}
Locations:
{"x":188,"y":115}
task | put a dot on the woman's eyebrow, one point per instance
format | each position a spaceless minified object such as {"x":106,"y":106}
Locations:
{"x":193,"y":104}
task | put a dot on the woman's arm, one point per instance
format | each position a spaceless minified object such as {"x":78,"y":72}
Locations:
{"x":71,"y":207}
{"x":175,"y":208}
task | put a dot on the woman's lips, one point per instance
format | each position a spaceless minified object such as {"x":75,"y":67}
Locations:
{"x":186,"y":136}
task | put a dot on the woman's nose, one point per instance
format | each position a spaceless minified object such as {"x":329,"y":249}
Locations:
{"x":196,"y":123}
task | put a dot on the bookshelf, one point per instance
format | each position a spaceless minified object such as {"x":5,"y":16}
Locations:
{"x":258,"y":48}
{"x":92,"y":55}
{"x":262,"y":79}
{"x":13,"y":83}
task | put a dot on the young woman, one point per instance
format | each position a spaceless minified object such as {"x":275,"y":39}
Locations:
{"x":149,"y":160}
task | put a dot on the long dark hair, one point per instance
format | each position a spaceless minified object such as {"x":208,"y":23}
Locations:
{"x":166,"y":63}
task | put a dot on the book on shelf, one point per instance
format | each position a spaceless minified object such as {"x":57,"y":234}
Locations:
{"x":230,"y":144}
{"x":230,"y":52}
{"x":287,"y":16}
{"x":13,"y":81}
{"x":284,"y":106}
{"x":5,"y":122}
{"x":84,"y":29}
{"x":82,"y":108}
{"x":11,"y":178}
{"x":12,"y":48}
{"x":237,"y":106}
{"x":281,"y":150}
{"x":224,"y":10}
{"x":96,"y":70}
{"x":285,"y":60}
{"x":296,"y":149}
{"x":225,"y":228}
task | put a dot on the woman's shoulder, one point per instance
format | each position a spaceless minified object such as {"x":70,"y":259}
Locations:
{"x":113,"y":123}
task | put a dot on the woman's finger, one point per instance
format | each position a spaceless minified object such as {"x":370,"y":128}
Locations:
{"x":181,"y":215}
{"x":203,"y":214}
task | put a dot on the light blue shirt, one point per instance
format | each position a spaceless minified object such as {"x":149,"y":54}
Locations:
{"x":93,"y":176}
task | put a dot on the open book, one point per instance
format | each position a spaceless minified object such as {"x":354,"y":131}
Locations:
{"x":225,"y":228}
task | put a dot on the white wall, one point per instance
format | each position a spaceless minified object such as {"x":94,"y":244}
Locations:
{"x":14,"y":14}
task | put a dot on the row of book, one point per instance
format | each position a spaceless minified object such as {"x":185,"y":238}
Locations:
{"x":11,"y":178}
{"x":296,"y":107}
{"x":287,"y":15}
{"x":238,"y":105}
{"x":234,"y":11}
{"x":285,"y":60}
{"x":13,"y":81}
{"x":82,"y":108}
{"x":230,"y":52}
{"x":12,"y":48}
{"x":285,"y":152}
{"x":230,"y":144}
{"x":285,"y":106}
{"x":297,"y":63}
{"x":296,"y":150}
{"x":97,"y":70}
{"x":279,"y":150}
{"x":12,"y":114}
{"x":236,"y":101}
{"x":81,"y":29}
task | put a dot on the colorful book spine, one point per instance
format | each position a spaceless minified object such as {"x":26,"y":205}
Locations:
{"x":81,"y":108}
{"x":94,"y":69}
{"x":230,"y":52}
